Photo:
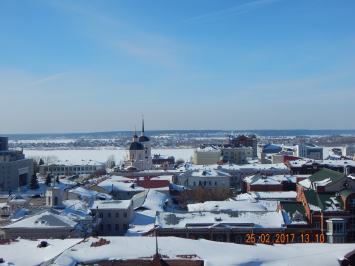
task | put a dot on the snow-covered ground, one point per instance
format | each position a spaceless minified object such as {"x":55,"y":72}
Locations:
{"x":101,"y":155}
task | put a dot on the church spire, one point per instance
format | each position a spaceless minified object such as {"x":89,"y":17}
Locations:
{"x":142,"y":125}
{"x":135,"y":137}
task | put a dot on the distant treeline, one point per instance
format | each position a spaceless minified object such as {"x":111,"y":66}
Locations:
{"x":186,"y":133}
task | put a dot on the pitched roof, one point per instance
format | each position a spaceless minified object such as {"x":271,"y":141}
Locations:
{"x":291,"y":209}
{"x":327,"y":201}
{"x":325,"y":174}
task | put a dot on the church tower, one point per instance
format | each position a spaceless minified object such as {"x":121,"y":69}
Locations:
{"x":147,"y":145}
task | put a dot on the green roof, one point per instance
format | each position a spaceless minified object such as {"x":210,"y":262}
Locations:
{"x":325,"y":174}
{"x":291,"y":207}
{"x":325,"y":200}
{"x":346,"y":193}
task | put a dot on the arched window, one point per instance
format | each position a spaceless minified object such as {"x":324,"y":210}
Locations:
{"x":49,"y":200}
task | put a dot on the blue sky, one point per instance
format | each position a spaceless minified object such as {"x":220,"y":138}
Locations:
{"x":89,"y":66}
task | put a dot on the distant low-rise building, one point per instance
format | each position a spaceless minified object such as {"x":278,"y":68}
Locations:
{"x":245,"y":141}
{"x":306,"y":151}
{"x":207,"y":155}
{"x":71,"y":167}
{"x":204,"y":178}
{"x":348,"y":150}
{"x":309,"y":167}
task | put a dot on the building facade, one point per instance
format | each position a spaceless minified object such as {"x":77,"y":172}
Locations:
{"x":15,"y":169}
{"x":245,"y":141}
{"x":113,"y":216}
{"x":204,"y":178}
{"x":71,"y":167}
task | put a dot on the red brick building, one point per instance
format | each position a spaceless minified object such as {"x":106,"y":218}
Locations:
{"x":326,"y":200}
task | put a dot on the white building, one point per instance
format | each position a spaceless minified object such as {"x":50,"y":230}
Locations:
{"x":205,"y":178}
{"x":348,"y":150}
{"x":71,"y":167}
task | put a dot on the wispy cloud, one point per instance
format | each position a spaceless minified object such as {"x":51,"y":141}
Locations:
{"x":52,"y":77}
{"x":235,"y":10}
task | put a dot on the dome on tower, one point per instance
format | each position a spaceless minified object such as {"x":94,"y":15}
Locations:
{"x":143,"y":139}
{"x":134,"y":146}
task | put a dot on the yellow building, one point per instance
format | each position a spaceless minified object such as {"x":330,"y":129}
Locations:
{"x":237,"y":155}
{"x":208,"y":155}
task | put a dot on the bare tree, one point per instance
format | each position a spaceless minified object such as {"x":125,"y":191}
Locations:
{"x":179,"y":161}
{"x":98,"y":173}
{"x":110,"y":162}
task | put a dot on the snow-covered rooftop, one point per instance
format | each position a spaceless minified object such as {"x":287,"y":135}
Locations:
{"x":276,"y":195}
{"x":74,"y":162}
{"x":234,"y":219}
{"x":110,"y":204}
{"x":226,"y":205}
{"x":43,"y":220}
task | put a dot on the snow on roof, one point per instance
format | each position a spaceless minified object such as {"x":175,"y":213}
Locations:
{"x":276,"y":195}
{"x":43,"y":220}
{"x":264,"y":180}
{"x":205,"y":173}
{"x":244,"y":167}
{"x":75,"y":162}
{"x":322,"y":183}
{"x":213,"y":253}
{"x":226,"y":205}
{"x":19,"y":198}
{"x":89,"y":193}
{"x":110,"y":204}
{"x":306,"y":183}
{"x":142,"y":222}
{"x":130,"y":185}
{"x":30,"y":255}
{"x":208,"y":149}
{"x":155,"y":201}
{"x":174,"y":187}
{"x":332,"y":163}
{"x":238,"y":219}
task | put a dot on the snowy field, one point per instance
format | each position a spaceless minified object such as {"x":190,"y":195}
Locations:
{"x":101,"y":155}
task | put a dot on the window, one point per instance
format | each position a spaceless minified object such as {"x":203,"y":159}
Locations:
{"x":194,"y":183}
{"x":352,"y":236}
{"x":101,"y":227}
{"x":125,"y":227}
{"x":238,"y":240}
{"x":108,"y":215}
{"x":125,"y":215}
{"x":109,"y":227}
{"x":219,"y":238}
{"x":338,"y":228}
{"x":117,"y":214}
{"x":215,"y":183}
{"x":352,"y":222}
{"x":117,"y":227}
{"x":316,"y":224}
{"x":101,"y":215}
